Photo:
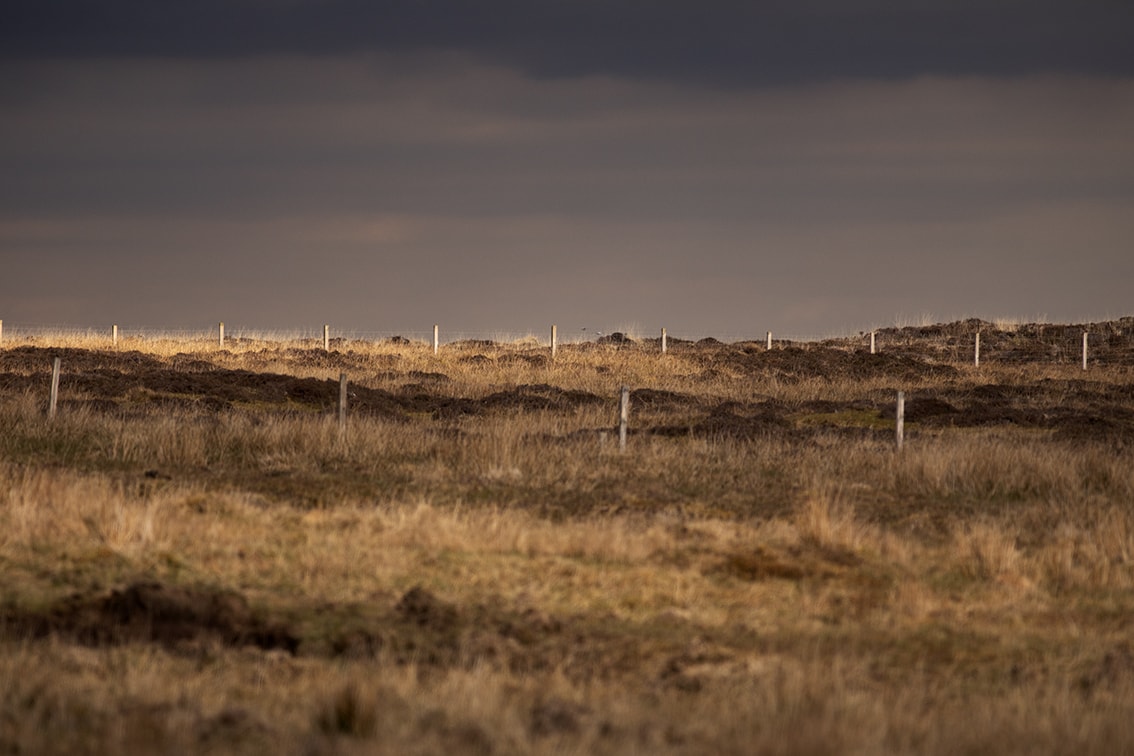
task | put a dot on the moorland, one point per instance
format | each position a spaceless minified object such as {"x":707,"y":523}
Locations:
{"x":197,"y":556}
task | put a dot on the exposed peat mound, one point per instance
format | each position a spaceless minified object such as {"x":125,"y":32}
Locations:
{"x":109,"y":390}
{"x":617,"y":339}
{"x":1078,"y":410}
{"x":662,"y":400}
{"x":318,"y":358}
{"x":732,"y":420}
{"x":522,"y":358}
{"x":152,"y":612}
{"x":793,"y":364}
{"x":32,"y":359}
{"x":528,"y":397}
{"x":1111,"y":342}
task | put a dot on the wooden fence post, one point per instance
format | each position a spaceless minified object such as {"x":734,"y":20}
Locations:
{"x":114,"y":335}
{"x":436,"y":339}
{"x":220,"y":339}
{"x":976,"y":350}
{"x":623,"y":417}
{"x":554,"y":340}
{"x":326,"y":338}
{"x":1084,"y":350}
{"x":1,"y":331}
{"x":54,"y":397}
{"x":872,"y":342}
{"x":769,"y":341}
{"x":664,"y":337}
{"x":342,"y":401}
{"x":900,"y":425}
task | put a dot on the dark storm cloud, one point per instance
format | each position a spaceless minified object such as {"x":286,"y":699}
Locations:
{"x":717,"y":168}
{"x":726,"y":43}
{"x":376,"y":191}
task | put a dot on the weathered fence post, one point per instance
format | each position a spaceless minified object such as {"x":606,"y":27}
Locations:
{"x":872,"y":342}
{"x":900,"y":425}
{"x":1084,"y":350}
{"x":114,"y":335}
{"x":554,"y":341}
{"x":220,"y":338}
{"x":54,"y":397}
{"x":326,"y":338}
{"x":342,"y":402}
{"x":1,"y":331}
{"x":664,"y":338}
{"x":769,"y":341}
{"x":623,"y":417}
{"x":976,"y":350}
{"x":436,"y":338}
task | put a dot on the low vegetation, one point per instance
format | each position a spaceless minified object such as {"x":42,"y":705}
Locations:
{"x":197,"y":557}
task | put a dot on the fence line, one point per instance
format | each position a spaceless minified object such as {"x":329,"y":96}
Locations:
{"x":1108,"y":343}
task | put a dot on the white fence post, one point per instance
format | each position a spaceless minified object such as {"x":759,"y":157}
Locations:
{"x":872,"y":342}
{"x":769,"y":341}
{"x":976,"y":350}
{"x":900,"y":425}
{"x":54,"y":398}
{"x":114,"y":335}
{"x":1084,"y":350}
{"x":220,"y":338}
{"x":623,"y":417}
{"x":554,"y":340}
{"x":326,"y":338}
{"x":436,"y":338}
{"x":664,"y":337}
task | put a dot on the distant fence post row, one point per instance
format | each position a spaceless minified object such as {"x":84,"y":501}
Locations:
{"x":664,"y":341}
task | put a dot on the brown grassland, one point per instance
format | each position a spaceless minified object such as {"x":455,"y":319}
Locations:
{"x":196,"y":558}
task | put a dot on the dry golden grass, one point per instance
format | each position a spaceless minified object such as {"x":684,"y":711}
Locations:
{"x":781,"y":593}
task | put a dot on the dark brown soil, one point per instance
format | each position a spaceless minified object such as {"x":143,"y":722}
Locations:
{"x":417,"y":628}
{"x":153,"y":612}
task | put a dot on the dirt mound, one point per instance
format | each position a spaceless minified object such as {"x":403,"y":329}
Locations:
{"x":30,"y":359}
{"x":156,"y":613}
{"x":659,"y":399}
{"x":522,"y":358}
{"x":797,"y":363}
{"x":527,"y":397}
{"x":617,"y":339}
{"x":317,"y":357}
{"x":957,"y":329}
{"x":922,"y":408}
{"x":420,"y":607}
{"x":728,"y":422}
{"x":732,"y":420}
{"x":214,"y":389}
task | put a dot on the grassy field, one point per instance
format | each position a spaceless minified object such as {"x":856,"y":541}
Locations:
{"x":196,"y":557}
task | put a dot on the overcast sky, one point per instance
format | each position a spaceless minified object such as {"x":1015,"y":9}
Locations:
{"x":719,"y":168}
